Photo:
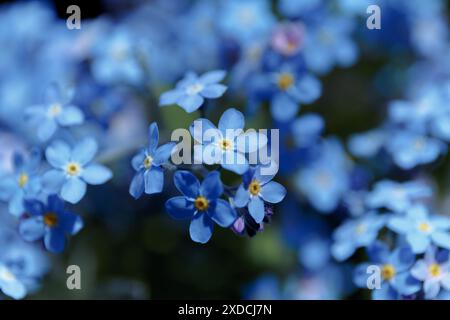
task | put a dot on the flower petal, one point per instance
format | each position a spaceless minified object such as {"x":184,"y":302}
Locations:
{"x":201,"y":228}
{"x":190,"y":103}
{"x":170,"y":97}
{"x":53,"y":180}
{"x":256,"y":209}
{"x":55,"y":240}
{"x":441,"y":238}
{"x":154,"y":180}
{"x":180,"y":207}
{"x":163,"y":153}
{"x":153,"y":138}
{"x":283,"y":108}
{"x":418,"y":242}
{"x":137,"y":185}
{"x":273,"y":192}
{"x":231,"y":119}
{"x":187,"y":183}
{"x":212,"y":76}
{"x":46,"y":129}
{"x":85,"y":151}
{"x":223,"y":214}
{"x":58,"y":154}
{"x":203,"y":131}
{"x":213,"y":91}
{"x":242,"y":197}
{"x":212,"y":187}
{"x":96,"y":174}
{"x":32,"y":229}
{"x":73,"y":190}
{"x":70,"y":116}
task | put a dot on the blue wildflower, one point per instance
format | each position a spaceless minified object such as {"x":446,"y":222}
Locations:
{"x":56,"y":112}
{"x":201,"y":203}
{"x":10,"y":284}
{"x":148,"y":163}
{"x":23,"y":183}
{"x":190,"y":93}
{"x":433,"y":271}
{"x":397,"y":196}
{"x":356,"y":233}
{"x":394,"y":268}
{"x":256,"y":189}
{"x":50,"y":221}
{"x":73,"y":169}
{"x":228,"y":144}
{"x":421,"y":229}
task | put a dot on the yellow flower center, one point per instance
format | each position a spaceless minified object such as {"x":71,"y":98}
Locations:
{"x":50,"y":219}
{"x":360,"y":228}
{"x":23,"y":180}
{"x":225,"y":144}
{"x":254,"y":188}
{"x":424,"y":227}
{"x":388,"y":271}
{"x":54,"y":110}
{"x":285,"y":80}
{"x":201,"y":204}
{"x":73,"y":169}
{"x":434,"y":269}
{"x":148,"y":162}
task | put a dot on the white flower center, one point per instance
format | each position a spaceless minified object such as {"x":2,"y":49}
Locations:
{"x":194,"y":88}
{"x":54,"y":110}
{"x":73,"y":169}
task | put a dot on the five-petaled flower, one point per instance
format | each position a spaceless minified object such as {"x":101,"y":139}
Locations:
{"x":256,"y":189}
{"x":190,"y":92}
{"x":50,"y":221}
{"x":228,"y":144}
{"x":149,"y":175}
{"x":56,"y":112}
{"x":73,"y":169}
{"x":201,"y":203}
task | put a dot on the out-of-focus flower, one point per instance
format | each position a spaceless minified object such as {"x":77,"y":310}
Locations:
{"x":228,"y":144}
{"x":23,"y":183}
{"x":433,"y":271}
{"x":56,"y":112}
{"x":421,"y":229}
{"x":201,"y":203}
{"x":50,"y":221}
{"x":190,"y":93}
{"x":10,"y":285}
{"x":287,"y":39}
{"x":147,"y":163}
{"x":73,"y":169}
{"x":394,"y":267}
{"x":356,"y":233}
{"x":397,"y":196}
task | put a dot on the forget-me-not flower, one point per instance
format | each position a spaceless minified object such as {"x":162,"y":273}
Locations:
{"x":433,"y":271}
{"x":256,"y":189}
{"x":23,"y":183}
{"x":10,"y":284}
{"x":50,"y":221}
{"x":54,"y":113}
{"x":148,"y":163}
{"x":201,"y":203}
{"x":227,"y":144}
{"x":394,"y":270}
{"x":73,"y":169}
{"x":422,"y":229}
{"x":190,"y":93}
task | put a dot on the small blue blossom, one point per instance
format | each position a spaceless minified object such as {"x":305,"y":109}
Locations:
{"x":422,"y":229}
{"x":356,"y":233}
{"x":397,"y":196}
{"x":56,"y":112}
{"x":50,"y":221}
{"x":433,"y":271}
{"x":256,"y":189}
{"x":148,"y":163}
{"x":228,"y":144}
{"x":23,"y":183}
{"x":73,"y":169}
{"x":190,"y":93}
{"x":394,"y":267}
{"x":201,"y":203}
{"x":10,"y":284}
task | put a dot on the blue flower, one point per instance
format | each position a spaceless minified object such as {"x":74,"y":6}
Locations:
{"x":201,"y":203}
{"x":306,"y":130}
{"x":421,"y":229}
{"x":149,"y":175}
{"x":228,"y":144}
{"x":10,"y":284}
{"x":409,"y":149}
{"x":49,"y":221}
{"x":433,"y":271}
{"x":23,"y":183}
{"x":256,"y":189}
{"x":326,"y":179}
{"x":190,"y":93}
{"x":394,"y":268}
{"x":56,"y":112}
{"x":356,"y":233}
{"x":73,"y":169}
{"x":397,"y":196}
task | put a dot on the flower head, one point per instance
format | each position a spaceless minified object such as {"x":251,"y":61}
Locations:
{"x":148,"y":163}
{"x":73,"y":169}
{"x":51,"y":222}
{"x":201,"y":203}
{"x":190,"y":93}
